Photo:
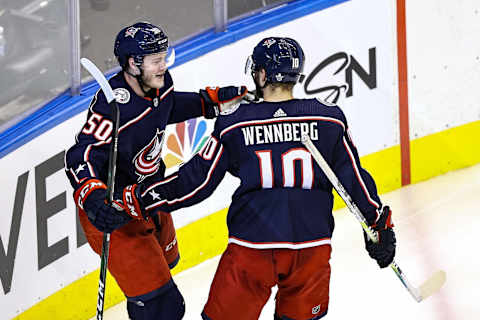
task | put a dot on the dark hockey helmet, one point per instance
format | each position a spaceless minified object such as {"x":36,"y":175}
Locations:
{"x":282,"y":59}
{"x":137,"y":41}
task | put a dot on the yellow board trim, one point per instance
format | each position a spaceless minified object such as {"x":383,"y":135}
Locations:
{"x":206,"y":238}
{"x":78,"y":300}
{"x":448,"y":150}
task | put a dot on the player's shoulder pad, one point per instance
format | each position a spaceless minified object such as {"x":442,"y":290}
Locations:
{"x":333,"y":110}
{"x":121,"y":91}
{"x":326,"y":103}
{"x":99,"y":103}
{"x":231,"y":116}
{"x":242,"y":104}
{"x":230,"y":110}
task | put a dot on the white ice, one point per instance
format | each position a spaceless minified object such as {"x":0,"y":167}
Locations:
{"x":437,"y":223}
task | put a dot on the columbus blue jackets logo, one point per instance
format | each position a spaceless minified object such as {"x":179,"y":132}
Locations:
{"x":130,"y":32}
{"x":147,"y":161}
{"x":267,"y":43}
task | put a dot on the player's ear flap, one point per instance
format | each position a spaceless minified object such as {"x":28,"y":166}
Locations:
{"x":133,"y":66}
{"x":262,"y":77}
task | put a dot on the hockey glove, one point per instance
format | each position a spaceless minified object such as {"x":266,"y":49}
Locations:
{"x":133,"y":203}
{"x":91,"y":198}
{"x":222,"y":100}
{"x":384,"y":250}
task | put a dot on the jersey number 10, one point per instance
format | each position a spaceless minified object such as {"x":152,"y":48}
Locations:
{"x":288,"y":168}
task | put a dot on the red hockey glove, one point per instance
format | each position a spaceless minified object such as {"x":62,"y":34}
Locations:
{"x":223,"y":100}
{"x":132,"y":201}
{"x":91,"y":198}
{"x":384,"y":250}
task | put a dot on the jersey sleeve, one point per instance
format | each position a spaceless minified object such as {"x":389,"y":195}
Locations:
{"x":193,"y":182}
{"x":356,"y":180}
{"x":188,"y":105}
{"x":88,"y":157}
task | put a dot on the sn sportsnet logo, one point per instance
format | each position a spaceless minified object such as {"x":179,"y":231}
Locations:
{"x":335,"y":74}
{"x":185,"y":140}
{"x":147,"y":161}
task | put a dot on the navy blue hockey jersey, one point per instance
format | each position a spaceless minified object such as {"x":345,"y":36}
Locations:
{"x":141,"y":133}
{"x":284,"y":200}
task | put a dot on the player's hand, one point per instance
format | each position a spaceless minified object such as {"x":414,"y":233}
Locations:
{"x":225,"y":99}
{"x":91,"y":198}
{"x":384,"y":250}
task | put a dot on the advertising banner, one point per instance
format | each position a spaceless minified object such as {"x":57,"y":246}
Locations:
{"x":350,"y":58}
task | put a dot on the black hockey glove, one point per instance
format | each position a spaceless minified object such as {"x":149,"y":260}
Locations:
{"x":222,"y":100}
{"x":384,"y":250}
{"x":106,"y":218}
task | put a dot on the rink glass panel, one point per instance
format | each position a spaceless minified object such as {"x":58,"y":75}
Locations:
{"x":101,"y":20}
{"x":35,"y":48}
{"x":238,"y":8}
{"x":33,"y":56}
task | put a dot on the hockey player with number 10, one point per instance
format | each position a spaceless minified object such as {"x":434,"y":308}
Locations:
{"x":141,"y":252}
{"x":280,"y":220}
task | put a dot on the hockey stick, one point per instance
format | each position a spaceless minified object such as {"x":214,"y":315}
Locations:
{"x":112,"y":167}
{"x":431,"y":285}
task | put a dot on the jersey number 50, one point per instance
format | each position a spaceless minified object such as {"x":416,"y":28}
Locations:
{"x":288,"y":167}
{"x":101,"y":128}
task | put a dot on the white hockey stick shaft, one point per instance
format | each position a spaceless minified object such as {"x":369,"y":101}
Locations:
{"x":415,"y":292}
{"x":112,"y":166}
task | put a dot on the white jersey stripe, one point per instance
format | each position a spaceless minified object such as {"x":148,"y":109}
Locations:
{"x":200,"y":187}
{"x":166,"y":92}
{"x":279,"y":245}
{"x":73,"y":175}
{"x":159,"y":183}
{"x":138,"y":118}
{"x":359,"y":176}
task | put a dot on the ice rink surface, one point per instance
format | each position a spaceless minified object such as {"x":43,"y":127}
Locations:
{"x":437,"y":224}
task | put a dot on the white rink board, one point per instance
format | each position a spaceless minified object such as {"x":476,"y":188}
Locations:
{"x":353,"y":28}
{"x":29,"y":284}
{"x":443,"y":64}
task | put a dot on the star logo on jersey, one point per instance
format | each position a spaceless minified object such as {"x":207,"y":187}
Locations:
{"x":147,"y":161}
{"x":185,"y":140}
{"x":155,"y":196}
{"x":80,"y":168}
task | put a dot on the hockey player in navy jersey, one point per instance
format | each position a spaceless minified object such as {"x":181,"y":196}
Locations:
{"x":280,"y":220}
{"x":141,"y":252}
